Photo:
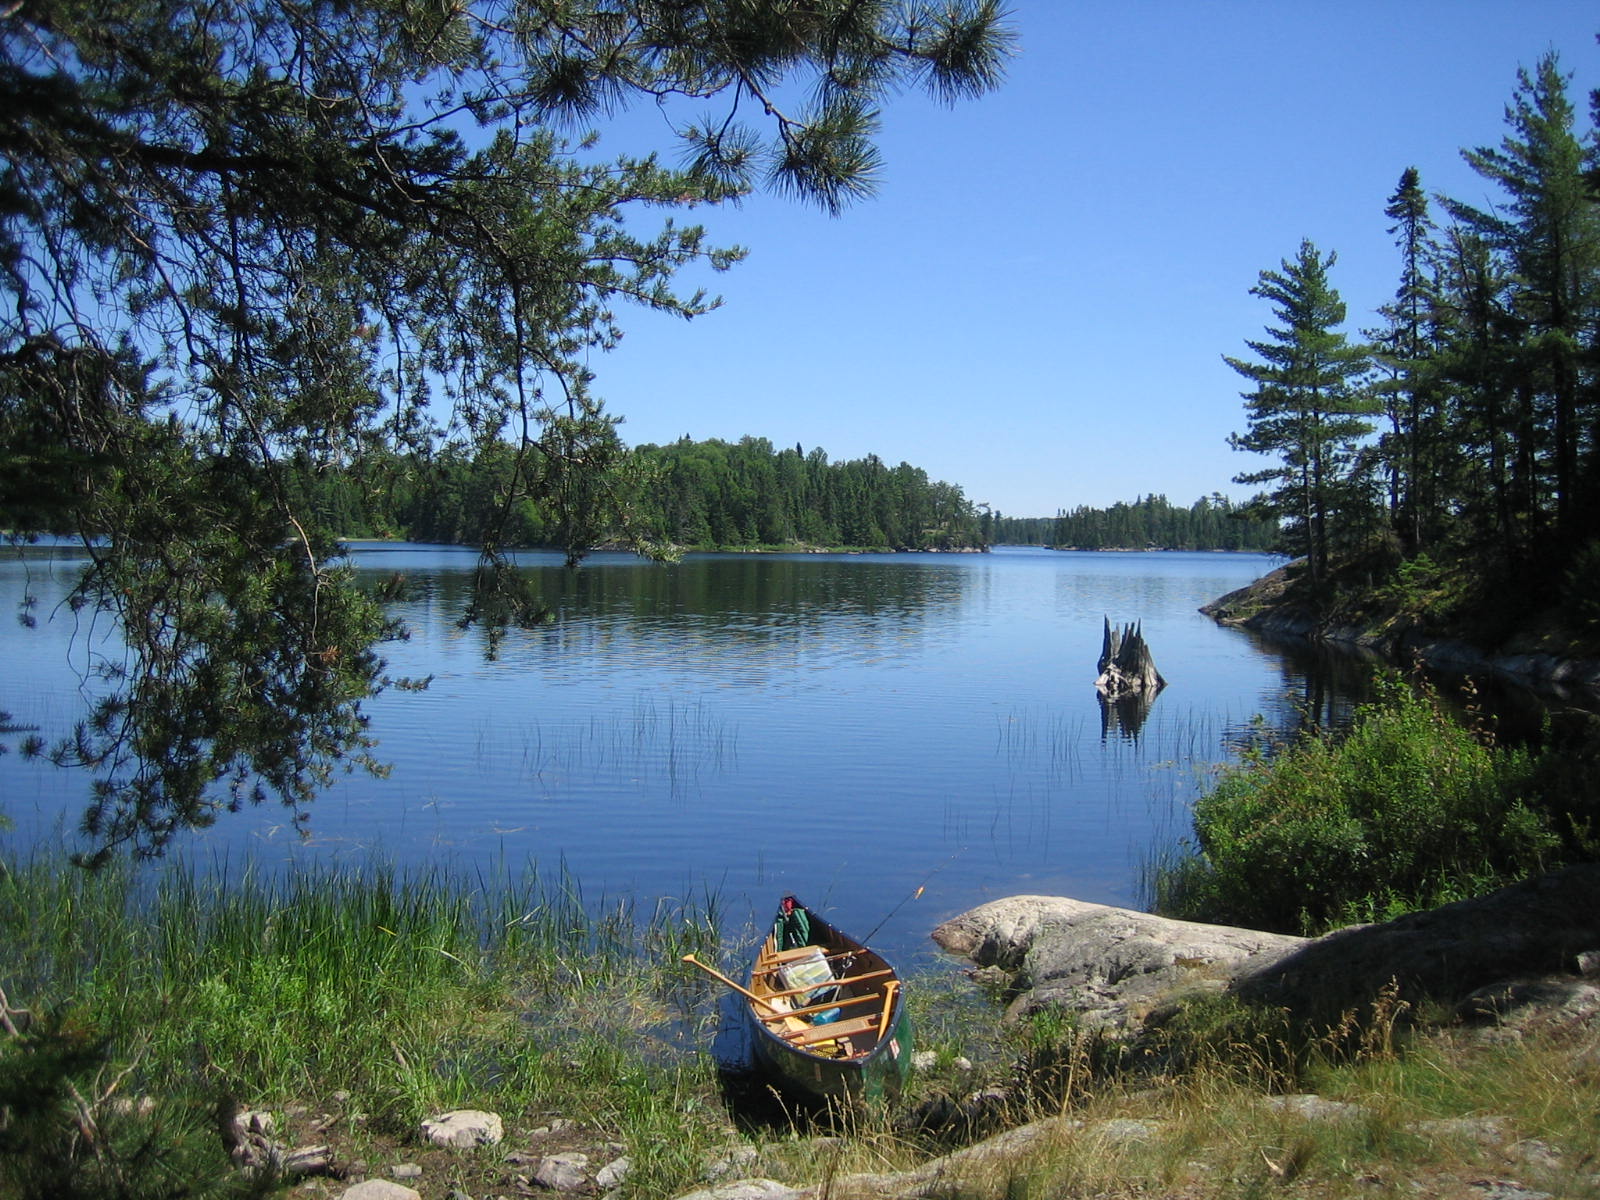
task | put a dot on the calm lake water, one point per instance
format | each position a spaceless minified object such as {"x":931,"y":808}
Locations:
{"x":845,"y":728}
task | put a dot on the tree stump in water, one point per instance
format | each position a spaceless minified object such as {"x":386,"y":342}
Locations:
{"x":1126,"y":666}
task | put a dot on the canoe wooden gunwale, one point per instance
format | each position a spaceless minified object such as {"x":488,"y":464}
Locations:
{"x":863,"y":1051}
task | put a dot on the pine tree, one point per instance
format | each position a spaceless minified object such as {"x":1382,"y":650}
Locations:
{"x":1403,"y":347}
{"x":1549,"y":232}
{"x":1307,"y":406}
{"x":238,"y":231}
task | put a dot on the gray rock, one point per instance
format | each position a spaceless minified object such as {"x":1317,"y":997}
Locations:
{"x":613,"y":1173}
{"x":1120,"y":1130}
{"x":463,"y":1129}
{"x":1486,"y":1131}
{"x":1520,"y":1003}
{"x":379,"y":1189}
{"x":1109,"y":965}
{"x":1530,"y":929}
{"x":1504,"y":1189}
{"x":405,"y":1171}
{"x":740,"y":1158}
{"x":746,"y":1189}
{"x":257,"y":1120}
{"x":1315,"y":1108}
{"x":1535,"y":1153}
{"x":567,"y":1172}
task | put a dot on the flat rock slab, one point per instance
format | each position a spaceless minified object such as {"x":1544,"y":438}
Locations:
{"x":1539,"y":928}
{"x":1109,"y":965}
{"x":747,"y":1189}
{"x":380,"y":1189}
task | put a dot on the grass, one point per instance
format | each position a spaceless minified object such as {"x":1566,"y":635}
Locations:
{"x":1215,"y":1120}
{"x":380,"y":998}
{"x":353,"y":1005}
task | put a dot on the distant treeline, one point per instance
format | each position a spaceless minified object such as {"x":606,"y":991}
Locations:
{"x":746,"y":493}
{"x":733,"y":495}
{"x":1211,"y":523}
{"x":697,"y":495}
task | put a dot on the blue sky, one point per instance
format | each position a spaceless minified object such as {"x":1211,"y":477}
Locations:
{"x":1036,"y":303}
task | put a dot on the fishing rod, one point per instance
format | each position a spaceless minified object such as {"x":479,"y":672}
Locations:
{"x":917,"y":891}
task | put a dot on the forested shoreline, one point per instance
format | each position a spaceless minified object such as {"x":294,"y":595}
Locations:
{"x":1210,"y":523}
{"x":1443,"y":463}
{"x":744,"y":495}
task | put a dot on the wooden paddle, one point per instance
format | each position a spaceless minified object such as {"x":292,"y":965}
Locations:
{"x":745,"y":992}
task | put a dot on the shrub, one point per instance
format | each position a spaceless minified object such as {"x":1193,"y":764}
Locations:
{"x":1407,"y":810}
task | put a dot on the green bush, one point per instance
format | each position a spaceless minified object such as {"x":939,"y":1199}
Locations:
{"x":1406,"y":811}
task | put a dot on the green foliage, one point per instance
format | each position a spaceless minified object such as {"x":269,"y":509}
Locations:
{"x":1412,"y":585}
{"x":717,"y":494}
{"x":694,"y":495}
{"x":1406,"y":811}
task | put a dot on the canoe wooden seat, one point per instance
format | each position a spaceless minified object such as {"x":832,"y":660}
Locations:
{"x":833,"y":1030}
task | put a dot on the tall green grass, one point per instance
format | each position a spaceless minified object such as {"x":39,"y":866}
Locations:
{"x":405,"y":993}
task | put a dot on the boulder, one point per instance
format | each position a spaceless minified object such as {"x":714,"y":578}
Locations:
{"x":564,"y":1172}
{"x":1113,"y":966}
{"x":1540,"y":928}
{"x":614,"y":1174}
{"x":1109,"y":965}
{"x":747,"y":1189}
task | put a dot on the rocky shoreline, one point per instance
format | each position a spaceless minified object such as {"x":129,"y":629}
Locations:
{"x":1265,"y":607}
{"x":1115,"y":968}
{"x":1525,"y":958}
{"x":1522,"y":961}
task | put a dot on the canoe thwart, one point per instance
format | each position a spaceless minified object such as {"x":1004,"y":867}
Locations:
{"x":869,"y":998}
{"x":849,"y":1027}
{"x":848,"y":979}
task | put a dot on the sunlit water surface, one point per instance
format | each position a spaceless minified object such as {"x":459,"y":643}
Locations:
{"x":847,"y":728}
